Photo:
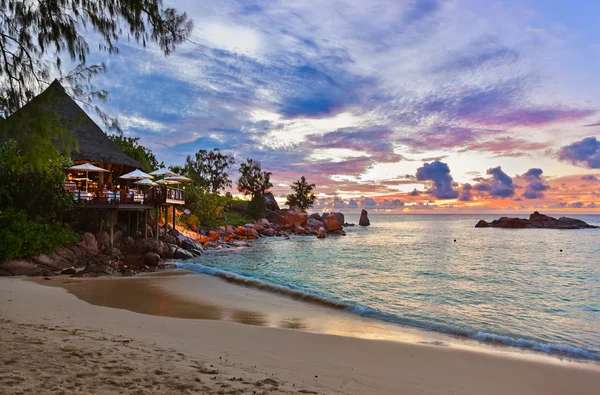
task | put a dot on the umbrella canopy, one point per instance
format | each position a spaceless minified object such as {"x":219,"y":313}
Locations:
{"x":145,"y":181}
{"x":166,"y":181}
{"x":136,"y":175}
{"x":88,"y":167}
{"x":178,"y":179}
{"x":163,"y":172}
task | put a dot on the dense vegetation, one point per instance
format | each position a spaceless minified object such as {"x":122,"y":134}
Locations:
{"x":32,"y":205}
{"x":22,"y":237}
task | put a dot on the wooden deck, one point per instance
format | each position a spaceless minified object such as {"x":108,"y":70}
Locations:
{"x":130,"y":200}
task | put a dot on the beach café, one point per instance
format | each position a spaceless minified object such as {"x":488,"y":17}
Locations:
{"x":104,"y":178}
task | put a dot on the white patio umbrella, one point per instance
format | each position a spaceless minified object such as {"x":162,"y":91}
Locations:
{"x":137,"y":175}
{"x":163,"y":173}
{"x":87,"y":167}
{"x":145,"y":181}
{"x":178,"y":179}
{"x":164,"y":181}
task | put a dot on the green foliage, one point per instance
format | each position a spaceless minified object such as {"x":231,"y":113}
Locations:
{"x":132,"y":147}
{"x":206,"y":206}
{"x":257,"y":207}
{"x":237,"y":219}
{"x":210,"y":169}
{"x":38,"y":192}
{"x":253,"y":181}
{"x":20,"y":237}
{"x":303,"y":198}
{"x":34,"y":35}
{"x":190,"y":221}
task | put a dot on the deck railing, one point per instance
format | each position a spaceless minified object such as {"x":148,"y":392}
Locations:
{"x":154,"y":195}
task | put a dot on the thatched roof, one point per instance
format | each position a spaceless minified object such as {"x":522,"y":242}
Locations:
{"x":94,"y":144}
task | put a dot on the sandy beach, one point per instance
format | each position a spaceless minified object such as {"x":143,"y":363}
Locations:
{"x":56,"y":342}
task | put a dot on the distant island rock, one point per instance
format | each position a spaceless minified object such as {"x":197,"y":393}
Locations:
{"x":364,"y":218}
{"x":536,"y":220}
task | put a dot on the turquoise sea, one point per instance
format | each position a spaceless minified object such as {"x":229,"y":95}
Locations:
{"x":440,"y":273}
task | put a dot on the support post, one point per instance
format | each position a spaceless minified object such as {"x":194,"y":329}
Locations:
{"x":173,"y":216}
{"x":112,"y":219}
{"x":136,"y":226}
{"x":100,"y":215}
{"x":145,"y":224}
{"x":157,"y":214}
{"x":129,"y":223}
{"x":166,"y":217}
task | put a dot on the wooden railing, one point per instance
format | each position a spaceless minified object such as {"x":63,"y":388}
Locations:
{"x":154,"y":195}
{"x":164,"y":194}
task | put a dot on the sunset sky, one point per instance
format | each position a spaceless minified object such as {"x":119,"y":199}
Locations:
{"x":456,"y":104}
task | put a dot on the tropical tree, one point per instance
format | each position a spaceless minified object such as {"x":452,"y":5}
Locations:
{"x":303,"y":198}
{"x":132,"y":147}
{"x":36,"y":35}
{"x":210,"y":169}
{"x":253,"y":181}
{"x":37,"y":192}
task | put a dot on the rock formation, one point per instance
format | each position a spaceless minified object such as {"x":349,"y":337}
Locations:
{"x":271,"y":202}
{"x":331,"y":223}
{"x":536,"y":220}
{"x":364,"y":219}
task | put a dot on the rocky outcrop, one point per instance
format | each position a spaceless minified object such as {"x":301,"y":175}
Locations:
{"x":316,"y":216}
{"x":536,"y":220}
{"x":271,"y":202}
{"x":19,"y":268}
{"x":331,"y":223}
{"x":151,"y":259}
{"x":339,"y":216}
{"x":295,"y":217}
{"x":364,"y":218}
{"x":321,"y":233}
{"x":275,"y":218}
{"x":314,"y":224}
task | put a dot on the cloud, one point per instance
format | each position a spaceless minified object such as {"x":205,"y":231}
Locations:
{"x":589,"y":177}
{"x":507,"y":146}
{"x":500,"y":185}
{"x":535,"y":184}
{"x":439,"y":173}
{"x":584,"y":153}
{"x":592,"y":124}
{"x":465,"y":194}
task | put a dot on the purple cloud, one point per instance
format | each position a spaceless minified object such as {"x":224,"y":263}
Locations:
{"x":589,"y":177}
{"x":500,"y":185}
{"x":535,"y":184}
{"x":584,"y":153}
{"x":465,"y":194}
{"x":439,"y":173}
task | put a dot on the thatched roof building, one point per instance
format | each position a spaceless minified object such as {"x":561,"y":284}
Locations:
{"x":93,"y":144}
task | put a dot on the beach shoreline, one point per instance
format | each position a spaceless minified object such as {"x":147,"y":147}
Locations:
{"x":295,"y":360}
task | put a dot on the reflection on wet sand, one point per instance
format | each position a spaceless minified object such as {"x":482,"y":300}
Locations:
{"x":293,"y":323}
{"x":140,"y":295}
{"x":249,"y":317}
{"x":147,"y":295}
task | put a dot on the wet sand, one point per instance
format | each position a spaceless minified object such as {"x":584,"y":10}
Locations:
{"x":54,"y":342}
{"x":183,"y":294}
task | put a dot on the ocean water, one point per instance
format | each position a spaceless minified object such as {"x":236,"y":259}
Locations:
{"x":512,"y":286}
